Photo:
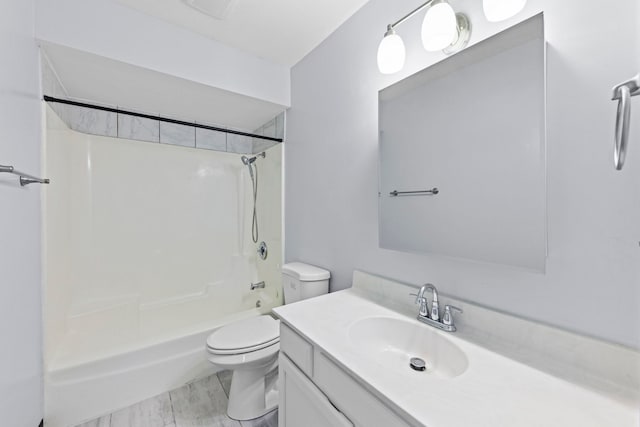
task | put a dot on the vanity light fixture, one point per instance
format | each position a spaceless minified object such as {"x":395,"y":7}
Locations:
{"x":442,"y":29}
{"x":439,"y":27}
{"x":391,"y":52}
{"x":499,"y":10}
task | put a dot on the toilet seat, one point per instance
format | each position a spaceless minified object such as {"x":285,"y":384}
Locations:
{"x":245,"y":336}
{"x":242,"y":350}
{"x":251,"y":360}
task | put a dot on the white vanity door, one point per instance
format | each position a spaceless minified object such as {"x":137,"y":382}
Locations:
{"x":302,"y":403}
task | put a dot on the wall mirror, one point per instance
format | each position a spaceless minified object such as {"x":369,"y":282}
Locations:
{"x":473,"y":127}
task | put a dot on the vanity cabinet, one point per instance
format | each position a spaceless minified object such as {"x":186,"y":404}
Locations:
{"x":315,"y":391}
{"x":302,"y":403}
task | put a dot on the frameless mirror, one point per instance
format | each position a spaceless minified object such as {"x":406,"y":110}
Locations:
{"x":473,"y":127}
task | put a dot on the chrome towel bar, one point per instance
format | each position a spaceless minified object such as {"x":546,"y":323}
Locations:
{"x":25,"y":179}
{"x":431,"y":192}
{"x":623,"y":93}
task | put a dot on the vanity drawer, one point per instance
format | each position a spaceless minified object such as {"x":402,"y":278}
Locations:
{"x":362,"y":408}
{"x":299,"y":350}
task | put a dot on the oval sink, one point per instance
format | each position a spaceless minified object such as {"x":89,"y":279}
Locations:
{"x":393,"y":342}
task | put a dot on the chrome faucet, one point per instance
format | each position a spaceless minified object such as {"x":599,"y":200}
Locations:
{"x":257,"y":285}
{"x":432,"y":316}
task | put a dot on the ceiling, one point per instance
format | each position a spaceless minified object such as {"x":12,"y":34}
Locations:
{"x":281,"y":31}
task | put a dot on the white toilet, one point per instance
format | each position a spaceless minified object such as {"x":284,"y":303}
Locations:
{"x":250,"y":347}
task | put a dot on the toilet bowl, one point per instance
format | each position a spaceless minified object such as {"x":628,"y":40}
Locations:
{"x":250,"y":347}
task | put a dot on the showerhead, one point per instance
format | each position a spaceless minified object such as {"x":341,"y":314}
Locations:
{"x":247,"y":161}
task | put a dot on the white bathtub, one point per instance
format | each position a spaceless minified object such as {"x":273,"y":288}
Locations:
{"x":79,"y":390}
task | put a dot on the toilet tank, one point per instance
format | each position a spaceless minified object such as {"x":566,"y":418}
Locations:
{"x":301,"y":281}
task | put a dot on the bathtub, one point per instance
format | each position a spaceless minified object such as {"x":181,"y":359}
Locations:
{"x":90,"y":385}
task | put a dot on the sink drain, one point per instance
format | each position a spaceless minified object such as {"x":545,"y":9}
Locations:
{"x":417,"y":364}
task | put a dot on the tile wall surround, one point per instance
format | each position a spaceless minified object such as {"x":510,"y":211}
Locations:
{"x":273,"y":128}
{"x":605,"y":367}
{"x":137,"y":128}
{"x":87,"y":120}
{"x":171,"y":133}
{"x":105,"y":123}
{"x":211,"y":140}
{"x":51,"y":86}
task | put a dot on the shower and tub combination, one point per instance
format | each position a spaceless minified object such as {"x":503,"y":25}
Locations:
{"x":138,"y":272}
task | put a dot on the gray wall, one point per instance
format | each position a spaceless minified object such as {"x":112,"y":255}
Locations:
{"x":20,"y":312}
{"x":592,"y":281}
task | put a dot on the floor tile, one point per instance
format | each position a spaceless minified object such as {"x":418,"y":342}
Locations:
{"x":201,"y":404}
{"x":100,"y":422}
{"x":225,"y":379}
{"x":154,"y":412}
{"x":268,"y":420}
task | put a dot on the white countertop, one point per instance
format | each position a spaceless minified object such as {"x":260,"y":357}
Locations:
{"x":493,"y":391}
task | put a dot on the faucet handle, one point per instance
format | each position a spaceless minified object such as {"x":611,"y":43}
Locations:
{"x":418,"y":297}
{"x":447,"y":317}
{"x":424,"y":311}
{"x":422,"y":301}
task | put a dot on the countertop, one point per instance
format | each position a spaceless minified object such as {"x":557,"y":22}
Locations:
{"x":493,"y":391}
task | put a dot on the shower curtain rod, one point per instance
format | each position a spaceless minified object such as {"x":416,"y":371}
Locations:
{"x":162,"y":119}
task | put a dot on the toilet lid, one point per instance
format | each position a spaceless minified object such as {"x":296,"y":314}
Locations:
{"x":245,"y":335}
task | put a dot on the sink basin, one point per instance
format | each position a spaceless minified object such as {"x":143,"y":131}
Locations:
{"x":393,"y":342}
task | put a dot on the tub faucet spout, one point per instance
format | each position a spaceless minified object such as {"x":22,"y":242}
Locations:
{"x":254,"y":286}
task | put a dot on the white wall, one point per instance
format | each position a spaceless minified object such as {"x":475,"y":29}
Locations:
{"x":592,"y":282}
{"x":106,"y":28}
{"x":20,"y":317}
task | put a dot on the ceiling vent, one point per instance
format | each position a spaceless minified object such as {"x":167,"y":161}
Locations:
{"x":218,"y":9}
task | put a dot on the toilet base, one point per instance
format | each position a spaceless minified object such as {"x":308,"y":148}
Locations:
{"x":254,"y":392}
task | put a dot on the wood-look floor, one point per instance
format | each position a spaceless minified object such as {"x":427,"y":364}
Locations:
{"x":199,"y":404}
